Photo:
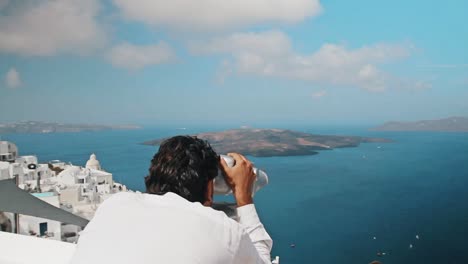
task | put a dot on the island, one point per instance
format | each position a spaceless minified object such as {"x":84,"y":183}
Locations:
{"x":53,"y":127}
{"x":275,"y":142}
{"x":451,"y":124}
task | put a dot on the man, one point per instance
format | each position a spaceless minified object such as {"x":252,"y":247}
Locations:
{"x":172,"y":222}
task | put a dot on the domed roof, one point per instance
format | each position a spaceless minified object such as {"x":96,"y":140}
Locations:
{"x":93,"y":163}
{"x":72,"y":170}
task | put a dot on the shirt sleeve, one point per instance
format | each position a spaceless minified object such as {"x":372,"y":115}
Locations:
{"x":255,"y":244}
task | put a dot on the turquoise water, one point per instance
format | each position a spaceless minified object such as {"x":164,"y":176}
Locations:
{"x":45,"y":194}
{"x":329,"y":205}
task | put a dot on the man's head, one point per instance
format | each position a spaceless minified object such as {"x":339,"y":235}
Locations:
{"x":186,"y":166}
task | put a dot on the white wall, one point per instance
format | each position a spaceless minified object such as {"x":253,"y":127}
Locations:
{"x":27,"y":160}
{"x":70,"y":195}
{"x":4,"y":170}
{"x":30,"y":224}
{"x":25,"y":250}
{"x":8,"y":150}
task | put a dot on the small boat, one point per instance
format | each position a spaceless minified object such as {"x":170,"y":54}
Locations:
{"x":292,"y":245}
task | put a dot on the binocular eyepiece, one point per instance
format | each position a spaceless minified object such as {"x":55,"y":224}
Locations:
{"x":221,"y":187}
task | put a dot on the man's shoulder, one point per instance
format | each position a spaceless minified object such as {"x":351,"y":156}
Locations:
{"x":165,"y":201}
{"x":120,"y":197}
{"x":167,"y":220}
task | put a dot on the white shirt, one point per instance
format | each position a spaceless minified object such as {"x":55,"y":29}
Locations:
{"x":145,"y":228}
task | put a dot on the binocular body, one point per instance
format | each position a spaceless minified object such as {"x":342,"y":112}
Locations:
{"x":221,"y":187}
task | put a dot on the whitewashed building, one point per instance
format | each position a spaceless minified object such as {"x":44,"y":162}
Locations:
{"x":83,"y":189}
{"x":76,"y":189}
{"x":41,"y":227}
{"x":8,"y":151}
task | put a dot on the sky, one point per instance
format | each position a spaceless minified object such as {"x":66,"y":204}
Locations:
{"x":243,"y":62}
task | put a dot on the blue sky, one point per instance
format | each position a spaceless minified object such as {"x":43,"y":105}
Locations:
{"x":236,"y":62}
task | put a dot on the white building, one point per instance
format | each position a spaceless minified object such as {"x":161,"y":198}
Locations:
{"x":8,"y":151}
{"x":4,"y":170}
{"x":84,"y":189}
{"x":93,"y":163}
{"x":27,"y":168}
{"x":8,"y":154}
{"x":75,"y":189}
{"x":33,"y":172}
{"x":41,"y":227}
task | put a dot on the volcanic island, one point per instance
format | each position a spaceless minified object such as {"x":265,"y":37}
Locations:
{"x":275,"y":142}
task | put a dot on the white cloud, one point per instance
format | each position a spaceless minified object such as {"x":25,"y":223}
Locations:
{"x":319,"y":94}
{"x":13,"y":79}
{"x":271,"y":54}
{"x":136,"y":57}
{"x":47,"y":27}
{"x":217,"y":15}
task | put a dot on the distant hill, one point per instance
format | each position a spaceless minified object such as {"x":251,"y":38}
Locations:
{"x":451,"y":124}
{"x":52,"y":127}
{"x":275,"y":142}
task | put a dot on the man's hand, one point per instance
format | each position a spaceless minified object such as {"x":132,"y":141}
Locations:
{"x":240,"y":178}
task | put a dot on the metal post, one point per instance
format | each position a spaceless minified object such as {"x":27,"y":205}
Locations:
{"x":17,"y":227}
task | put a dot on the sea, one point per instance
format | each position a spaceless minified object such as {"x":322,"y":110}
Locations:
{"x":399,"y":202}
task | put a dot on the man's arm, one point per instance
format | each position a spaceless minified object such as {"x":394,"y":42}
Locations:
{"x":257,"y":234}
{"x":255,"y":245}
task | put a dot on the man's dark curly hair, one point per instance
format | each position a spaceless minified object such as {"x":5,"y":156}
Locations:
{"x":183,"y":165}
